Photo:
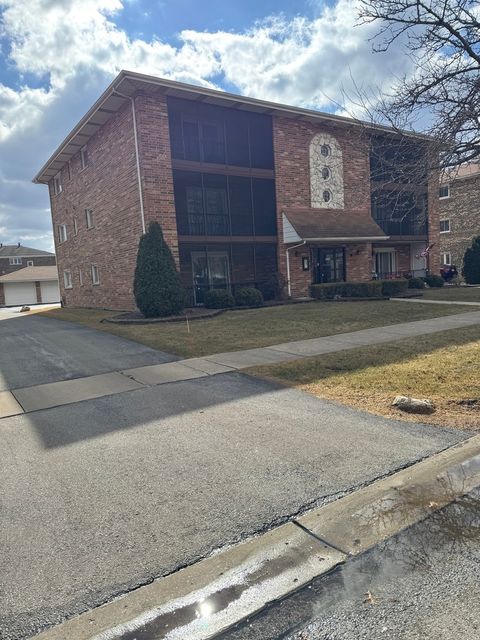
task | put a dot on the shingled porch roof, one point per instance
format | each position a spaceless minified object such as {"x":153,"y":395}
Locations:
{"x":330,"y":225}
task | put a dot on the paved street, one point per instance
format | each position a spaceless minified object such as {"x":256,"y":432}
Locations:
{"x":103,"y":495}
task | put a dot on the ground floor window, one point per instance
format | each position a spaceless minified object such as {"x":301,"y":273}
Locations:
{"x":330,"y":265}
{"x":446,"y":258}
{"x":228,"y":266}
{"x":385,"y":263}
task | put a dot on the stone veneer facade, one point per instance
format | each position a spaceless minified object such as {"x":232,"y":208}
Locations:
{"x":108,"y":185}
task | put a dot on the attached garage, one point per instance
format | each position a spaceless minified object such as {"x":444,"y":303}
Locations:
{"x":31,"y":285}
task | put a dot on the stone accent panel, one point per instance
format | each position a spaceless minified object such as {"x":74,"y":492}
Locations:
{"x":326,"y":172}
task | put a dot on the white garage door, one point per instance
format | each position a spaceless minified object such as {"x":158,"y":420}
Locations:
{"x":19,"y":293}
{"x":50,"y":291}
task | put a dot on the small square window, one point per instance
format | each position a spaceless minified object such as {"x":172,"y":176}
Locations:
{"x":69,"y":170}
{"x":89,"y":218}
{"x":80,"y":277}
{"x":75,"y":226}
{"x":444,"y":226}
{"x":15,"y":261}
{"x":29,"y":263}
{"x":62,"y":232}
{"x":57,"y":184}
{"x":95,"y":276}
{"x":83,"y":157}
{"x":444,"y":191}
{"x":67,"y":279}
{"x":446,"y":258}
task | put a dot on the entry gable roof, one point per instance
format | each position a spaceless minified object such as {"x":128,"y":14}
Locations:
{"x":329,"y":225}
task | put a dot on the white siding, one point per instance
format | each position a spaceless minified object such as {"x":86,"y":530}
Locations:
{"x":289,"y":233}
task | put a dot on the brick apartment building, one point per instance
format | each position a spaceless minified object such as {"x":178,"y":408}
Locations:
{"x":459,"y":210}
{"x":247,"y":192}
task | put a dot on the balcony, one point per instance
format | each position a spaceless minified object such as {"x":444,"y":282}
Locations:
{"x":412,"y":227}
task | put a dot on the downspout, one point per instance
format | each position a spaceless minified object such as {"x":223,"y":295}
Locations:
{"x":137,"y":156}
{"x":289,"y":284}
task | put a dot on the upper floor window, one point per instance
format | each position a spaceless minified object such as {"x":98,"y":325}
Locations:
{"x":444,"y":226}
{"x":69,"y":170}
{"x":212,"y":134}
{"x":67,"y":279}
{"x":326,"y":173}
{"x":95,"y":275}
{"x":62,"y":232}
{"x":83,"y":157}
{"x":15,"y":261}
{"x":75,"y":226}
{"x":444,"y":191}
{"x":89,"y":218}
{"x":446,"y":258}
{"x":57,"y":184}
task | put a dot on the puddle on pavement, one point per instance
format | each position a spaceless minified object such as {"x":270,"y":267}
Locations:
{"x":358,"y":584}
{"x":174,"y":624}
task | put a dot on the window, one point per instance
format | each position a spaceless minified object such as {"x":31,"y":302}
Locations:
{"x":446,"y":258}
{"x":83,"y":157}
{"x":445,"y":226}
{"x":325,"y":173}
{"x":95,"y":276}
{"x":57,"y":184}
{"x":69,"y":170}
{"x":29,"y":263}
{"x":15,"y":261}
{"x":89,"y":218}
{"x":327,"y":196}
{"x":385,"y":263}
{"x":62,"y":232}
{"x":444,"y":191}
{"x":75,"y":226}
{"x":67,"y":279}
{"x":325,"y":150}
{"x":80,"y":277}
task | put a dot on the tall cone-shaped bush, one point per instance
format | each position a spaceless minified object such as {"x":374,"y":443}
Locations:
{"x":471,"y":263}
{"x":156,"y":286}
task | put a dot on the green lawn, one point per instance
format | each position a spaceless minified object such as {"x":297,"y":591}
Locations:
{"x":234,"y":330}
{"x":460,"y":294}
{"x":441,"y":366}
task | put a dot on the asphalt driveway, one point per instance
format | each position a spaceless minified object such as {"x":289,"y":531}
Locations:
{"x":101,"y":496}
{"x":36,"y":350}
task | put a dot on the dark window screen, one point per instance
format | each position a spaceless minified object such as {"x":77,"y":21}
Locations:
{"x":241,"y":209}
{"x":261,"y":141}
{"x":238,"y":153}
{"x":216,"y":205}
{"x":264,"y":207}
{"x":191,"y":140}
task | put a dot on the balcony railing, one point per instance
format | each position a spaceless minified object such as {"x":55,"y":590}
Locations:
{"x":403,"y":227}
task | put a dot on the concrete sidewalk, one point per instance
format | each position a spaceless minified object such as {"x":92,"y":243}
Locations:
{"x":55,"y":394}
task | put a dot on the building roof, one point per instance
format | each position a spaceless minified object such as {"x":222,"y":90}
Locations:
{"x":19,"y":251}
{"x":31,"y":274}
{"x":330,"y":225}
{"x":462,"y":172}
{"x":127,"y":83}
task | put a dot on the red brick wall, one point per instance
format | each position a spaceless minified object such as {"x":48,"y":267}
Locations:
{"x":433,"y":260}
{"x":359,"y":264}
{"x":291,"y":139}
{"x":108,"y":186}
{"x":156,"y":165}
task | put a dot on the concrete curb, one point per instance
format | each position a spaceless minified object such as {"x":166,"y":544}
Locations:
{"x":206,"y":598}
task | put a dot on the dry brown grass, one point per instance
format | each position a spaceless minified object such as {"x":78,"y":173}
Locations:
{"x":251,"y":328}
{"x":444,"y":367}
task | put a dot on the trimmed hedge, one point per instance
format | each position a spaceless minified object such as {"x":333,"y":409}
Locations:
{"x":248,"y":297}
{"x":416,"y":283}
{"x":219,"y":299}
{"x":392,"y":288}
{"x":329,"y":290}
{"x":434,"y":281}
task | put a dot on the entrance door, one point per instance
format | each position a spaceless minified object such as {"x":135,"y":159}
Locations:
{"x":210,"y":271}
{"x":330,"y":265}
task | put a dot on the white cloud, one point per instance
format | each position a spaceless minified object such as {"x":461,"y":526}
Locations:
{"x":76,"y":48}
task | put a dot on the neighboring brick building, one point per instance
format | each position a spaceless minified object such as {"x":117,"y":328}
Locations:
{"x":459,"y":209}
{"x":16,"y":256}
{"x":247,"y":193}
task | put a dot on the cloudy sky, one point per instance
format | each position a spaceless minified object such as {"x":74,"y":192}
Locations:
{"x":57,"y":56}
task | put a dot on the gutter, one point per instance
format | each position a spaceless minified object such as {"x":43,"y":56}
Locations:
{"x":137,"y":156}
